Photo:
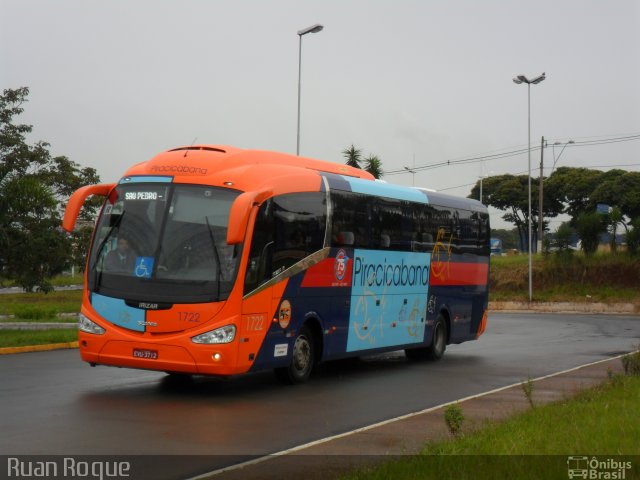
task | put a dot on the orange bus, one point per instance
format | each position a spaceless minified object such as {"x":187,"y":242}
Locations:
{"x":214,"y":260}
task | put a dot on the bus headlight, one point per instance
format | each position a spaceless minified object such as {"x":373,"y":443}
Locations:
{"x":224,"y":334}
{"x":88,"y":326}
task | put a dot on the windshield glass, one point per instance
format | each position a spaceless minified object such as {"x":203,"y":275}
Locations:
{"x":164,"y":243}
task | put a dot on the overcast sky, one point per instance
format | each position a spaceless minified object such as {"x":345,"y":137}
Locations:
{"x":115,"y":82}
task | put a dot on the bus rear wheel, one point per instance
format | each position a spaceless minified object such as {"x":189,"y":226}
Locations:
{"x":436,"y":350}
{"x":302,"y":359}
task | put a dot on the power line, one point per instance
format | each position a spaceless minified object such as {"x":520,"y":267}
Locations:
{"x":512,"y":153}
{"x":525,"y":171}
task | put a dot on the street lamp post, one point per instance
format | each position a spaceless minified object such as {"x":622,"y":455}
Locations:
{"x":312,"y":29}
{"x":413,"y":175}
{"x":555,"y":159}
{"x":482,"y":177}
{"x":543,"y":145}
{"x":522,"y":79}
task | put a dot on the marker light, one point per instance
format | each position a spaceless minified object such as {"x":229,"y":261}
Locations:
{"x":224,"y":334}
{"x":86,"y":325}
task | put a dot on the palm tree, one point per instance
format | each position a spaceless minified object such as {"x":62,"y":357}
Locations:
{"x":373,"y":165}
{"x":353,"y":156}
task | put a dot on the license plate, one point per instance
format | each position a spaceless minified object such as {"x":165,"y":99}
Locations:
{"x":148,"y":354}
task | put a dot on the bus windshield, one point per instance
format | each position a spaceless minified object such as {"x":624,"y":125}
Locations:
{"x":164,"y":243}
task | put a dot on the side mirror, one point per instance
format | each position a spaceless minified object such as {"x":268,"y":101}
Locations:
{"x":239,"y":214}
{"x":77,"y":200}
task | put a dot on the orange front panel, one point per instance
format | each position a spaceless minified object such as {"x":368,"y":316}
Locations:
{"x":181,"y":317}
{"x":252,"y":331}
{"x":258,"y":311}
{"x":168,"y":357}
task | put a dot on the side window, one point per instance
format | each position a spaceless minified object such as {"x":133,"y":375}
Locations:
{"x":393,"y":225}
{"x":423,"y":219}
{"x":300,"y":222}
{"x":467,"y":232}
{"x":442,"y":227}
{"x":352,"y":220}
{"x":485,"y":234}
{"x":260,"y":255}
{"x":287,"y":229}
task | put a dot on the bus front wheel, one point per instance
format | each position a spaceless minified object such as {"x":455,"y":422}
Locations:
{"x":302,"y":359}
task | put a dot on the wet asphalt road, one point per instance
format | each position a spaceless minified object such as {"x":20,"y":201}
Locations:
{"x":52,"y":403}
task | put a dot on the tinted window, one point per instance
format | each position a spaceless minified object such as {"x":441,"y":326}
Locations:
{"x":288,"y":228}
{"x":164,"y":242}
{"x":352,"y":218}
{"x":363,"y":221}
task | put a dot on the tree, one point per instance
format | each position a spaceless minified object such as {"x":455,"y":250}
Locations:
{"x":509,"y":193}
{"x":620,"y":189}
{"x":574,"y":187}
{"x":33,"y":187}
{"x":633,"y":237}
{"x":589,"y":227}
{"x":353,"y":156}
{"x":373,"y":165}
{"x":613,"y":220}
{"x":563,"y":237}
{"x":510,"y":238}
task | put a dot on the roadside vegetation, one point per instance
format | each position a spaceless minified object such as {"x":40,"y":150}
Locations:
{"x":38,"y":306}
{"x":568,"y":277}
{"x":35,"y":186}
{"x":600,"y":421}
{"x":22,"y":338}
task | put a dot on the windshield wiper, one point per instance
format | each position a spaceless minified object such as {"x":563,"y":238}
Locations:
{"x":215,"y":251}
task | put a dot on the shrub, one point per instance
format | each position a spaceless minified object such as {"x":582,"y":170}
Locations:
{"x":589,"y":227}
{"x":633,"y":238}
{"x":454,"y":417}
{"x":631,"y":363}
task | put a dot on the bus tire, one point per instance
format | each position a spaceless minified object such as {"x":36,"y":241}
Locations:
{"x":435,"y":351}
{"x":302,"y":359}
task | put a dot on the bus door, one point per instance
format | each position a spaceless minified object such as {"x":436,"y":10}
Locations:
{"x":258,"y":290}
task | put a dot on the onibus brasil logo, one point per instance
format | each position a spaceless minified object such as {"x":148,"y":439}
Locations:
{"x":595,"y":468}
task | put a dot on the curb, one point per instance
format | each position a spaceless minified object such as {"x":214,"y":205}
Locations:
{"x":565,"y":307}
{"x":38,"y":348}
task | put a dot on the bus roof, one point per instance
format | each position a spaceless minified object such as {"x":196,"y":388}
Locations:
{"x":245,"y":170}
{"x":278,"y":173}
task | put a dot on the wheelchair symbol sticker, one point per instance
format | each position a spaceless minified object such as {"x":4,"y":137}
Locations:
{"x":144,"y":267}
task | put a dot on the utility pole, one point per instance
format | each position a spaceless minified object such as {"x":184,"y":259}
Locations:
{"x":540,"y":216}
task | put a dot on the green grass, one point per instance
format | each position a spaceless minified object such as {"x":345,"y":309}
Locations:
{"x":568,"y":293}
{"x":62,"y":280}
{"x":21,"y":338}
{"x":41,"y":304}
{"x":601,"y":421}
{"x":509,"y":260}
